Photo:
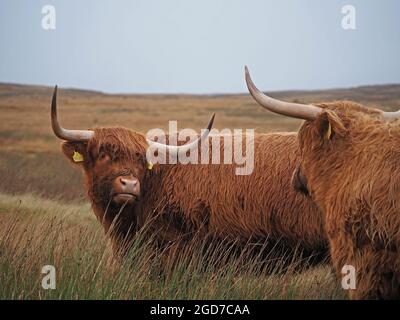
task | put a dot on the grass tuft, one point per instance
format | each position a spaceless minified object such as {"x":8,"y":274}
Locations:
{"x":35,"y":232}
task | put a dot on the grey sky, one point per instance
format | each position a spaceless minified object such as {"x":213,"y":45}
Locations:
{"x":181,"y":46}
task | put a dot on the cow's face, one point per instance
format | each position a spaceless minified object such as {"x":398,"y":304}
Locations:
{"x":320,"y":142}
{"x":114,"y":162}
{"x":114,"y":159}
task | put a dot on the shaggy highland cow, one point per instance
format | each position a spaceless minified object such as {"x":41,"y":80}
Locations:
{"x":349,"y":165}
{"x":182,"y":201}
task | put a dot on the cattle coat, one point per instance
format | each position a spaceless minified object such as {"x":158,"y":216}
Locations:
{"x":210,"y":199}
{"x":354,"y":178}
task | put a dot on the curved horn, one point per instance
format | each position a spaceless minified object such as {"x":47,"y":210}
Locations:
{"x":295,"y":110}
{"x":186,"y":147}
{"x":65,"y":134}
{"x":391,"y":115}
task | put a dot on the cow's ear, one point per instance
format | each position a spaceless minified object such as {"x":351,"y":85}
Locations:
{"x":142,"y":158}
{"x":76,"y":152}
{"x":328,"y":124}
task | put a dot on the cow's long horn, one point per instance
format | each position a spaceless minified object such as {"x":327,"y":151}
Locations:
{"x":186,"y":147}
{"x":65,"y":134}
{"x":391,"y":115}
{"x":295,"y":110}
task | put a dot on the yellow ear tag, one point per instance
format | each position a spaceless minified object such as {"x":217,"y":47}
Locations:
{"x":77,"y":157}
{"x":328,"y":132}
{"x":149,"y":165}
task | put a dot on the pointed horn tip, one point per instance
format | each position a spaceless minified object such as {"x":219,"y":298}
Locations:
{"x":212,"y":118}
{"x":211,"y":122}
{"x":55,"y":93}
{"x":249,"y":82}
{"x":246,"y":73}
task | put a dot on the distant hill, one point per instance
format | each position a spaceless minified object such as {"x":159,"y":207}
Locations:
{"x":388,"y":94}
{"x":23,"y":89}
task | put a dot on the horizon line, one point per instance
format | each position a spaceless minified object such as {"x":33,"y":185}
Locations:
{"x":4,"y":83}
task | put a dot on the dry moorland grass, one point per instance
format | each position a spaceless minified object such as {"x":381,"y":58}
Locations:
{"x":37,"y":232}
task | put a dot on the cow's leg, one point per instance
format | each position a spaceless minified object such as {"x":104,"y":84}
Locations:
{"x":348,"y":266}
{"x":376,"y":271}
{"x":377,"y":277}
{"x":384,"y":265}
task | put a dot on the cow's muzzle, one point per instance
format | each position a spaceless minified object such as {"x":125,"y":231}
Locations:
{"x":125,"y":189}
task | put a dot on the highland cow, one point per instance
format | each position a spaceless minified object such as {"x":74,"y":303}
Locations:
{"x":349,"y":165}
{"x":186,"y":200}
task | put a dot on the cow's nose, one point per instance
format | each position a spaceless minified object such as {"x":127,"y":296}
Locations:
{"x":127,"y":182}
{"x":128,"y":185}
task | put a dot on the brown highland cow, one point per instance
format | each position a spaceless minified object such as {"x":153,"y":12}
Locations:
{"x":182,"y":201}
{"x":349,"y":165}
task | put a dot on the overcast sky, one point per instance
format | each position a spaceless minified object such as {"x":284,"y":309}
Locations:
{"x":181,"y":46}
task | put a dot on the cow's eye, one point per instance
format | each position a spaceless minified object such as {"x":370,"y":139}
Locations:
{"x":103,"y":156}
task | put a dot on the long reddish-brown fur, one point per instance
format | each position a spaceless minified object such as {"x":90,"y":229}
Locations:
{"x":210,"y":199}
{"x":354,"y":178}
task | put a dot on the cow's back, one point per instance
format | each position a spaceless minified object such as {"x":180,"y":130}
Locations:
{"x":260,"y":205}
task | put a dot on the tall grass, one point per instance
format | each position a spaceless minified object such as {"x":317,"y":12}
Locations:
{"x":35,"y":232}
